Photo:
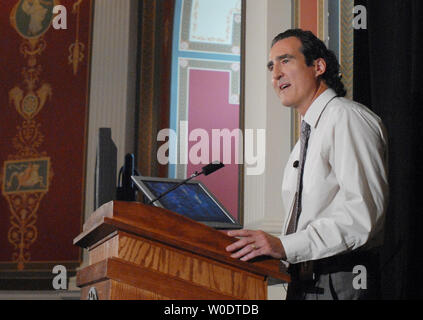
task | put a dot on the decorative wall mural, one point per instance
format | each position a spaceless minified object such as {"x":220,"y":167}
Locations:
{"x":206,"y":56}
{"x":24,"y":186}
{"x":44,"y":95}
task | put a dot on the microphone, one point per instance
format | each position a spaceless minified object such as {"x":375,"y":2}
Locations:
{"x":206,"y":170}
{"x":296,"y":164}
{"x":212,"y":167}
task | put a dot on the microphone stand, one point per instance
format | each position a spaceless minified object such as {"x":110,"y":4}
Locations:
{"x":195,"y":174}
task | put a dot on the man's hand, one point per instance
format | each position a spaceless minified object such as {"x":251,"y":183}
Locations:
{"x":254,"y":243}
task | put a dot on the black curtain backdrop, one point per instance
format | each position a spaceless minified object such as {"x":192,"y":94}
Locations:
{"x":387,"y":71}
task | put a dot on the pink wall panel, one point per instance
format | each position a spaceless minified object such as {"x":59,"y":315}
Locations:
{"x":209,"y":109}
{"x":308,"y":15}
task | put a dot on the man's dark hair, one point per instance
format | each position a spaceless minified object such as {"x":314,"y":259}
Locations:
{"x":313,"y":48}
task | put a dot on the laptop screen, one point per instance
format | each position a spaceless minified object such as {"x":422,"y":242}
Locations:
{"x":192,"y":200}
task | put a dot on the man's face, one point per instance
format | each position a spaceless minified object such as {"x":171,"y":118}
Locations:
{"x":294,"y":82}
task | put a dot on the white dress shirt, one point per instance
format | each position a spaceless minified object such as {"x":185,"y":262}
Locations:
{"x":345,"y":187}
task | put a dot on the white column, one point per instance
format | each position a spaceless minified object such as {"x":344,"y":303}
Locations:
{"x":113,"y":81}
{"x":112,"y":84}
{"x":262,"y":193}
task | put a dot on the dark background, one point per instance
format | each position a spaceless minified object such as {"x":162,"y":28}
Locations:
{"x":387,"y":68}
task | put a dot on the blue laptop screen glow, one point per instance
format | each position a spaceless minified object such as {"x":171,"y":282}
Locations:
{"x":189,"y":200}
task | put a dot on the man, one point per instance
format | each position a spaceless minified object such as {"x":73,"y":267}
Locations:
{"x":335,"y":182}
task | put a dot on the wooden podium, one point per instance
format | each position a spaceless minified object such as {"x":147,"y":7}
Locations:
{"x":143,"y":252}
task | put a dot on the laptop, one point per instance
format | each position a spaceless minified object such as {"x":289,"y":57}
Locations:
{"x":192,"y":200}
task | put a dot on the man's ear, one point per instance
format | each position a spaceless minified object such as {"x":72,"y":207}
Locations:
{"x":319,"y":67}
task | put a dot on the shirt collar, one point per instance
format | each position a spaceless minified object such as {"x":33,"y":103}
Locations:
{"x":315,"y":110}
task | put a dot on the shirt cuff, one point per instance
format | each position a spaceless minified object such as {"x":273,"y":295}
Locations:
{"x":297,"y":247}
